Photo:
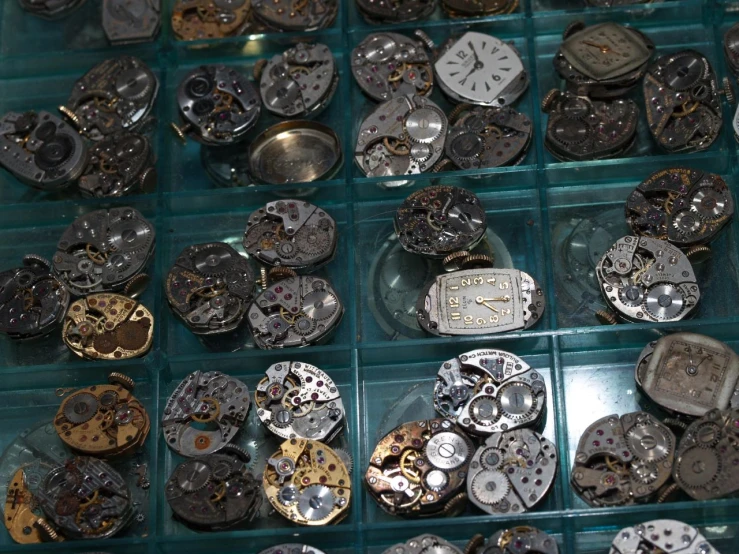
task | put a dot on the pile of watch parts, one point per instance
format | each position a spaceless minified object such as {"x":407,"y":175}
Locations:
{"x":217,"y":486}
{"x":212,"y":288}
{"x":648,"y":276}
{"x":483,"y":448}
{"x":80,"y":490}
{"x":408,"y":133}
{"x":87,"y":291}
{"x":99,"y":144}
{"x":473,"y":297}
{"x":593,"y":119}
{"x":689,"y":450}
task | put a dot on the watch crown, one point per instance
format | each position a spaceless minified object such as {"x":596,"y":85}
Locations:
{"x":473,"y":544}
{"x":425,"y":39}
{"x":605,"y":317}
{"x":549,"y":97}
{"x":454,"y":260}
{"x":728,"y":91}
{"x":698,"y":254}
{"x":258,"y":68}
{"x":279,"y":273}
{"x":478,"y":261}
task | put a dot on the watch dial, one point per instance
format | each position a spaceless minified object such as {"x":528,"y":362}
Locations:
{"x":478,"y":67}
{"x":476,"y":302}
{"x":703,"y":368}
{"x":605,"y":51}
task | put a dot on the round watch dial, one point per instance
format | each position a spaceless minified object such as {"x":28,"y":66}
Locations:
{"x":478,"y":68}
{"x":605,"y":51}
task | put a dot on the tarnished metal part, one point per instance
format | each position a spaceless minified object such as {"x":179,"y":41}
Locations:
{"x":41,"y":150}
{"x":50,"y":9}
{"x":684,"y":206}
{"x":419,"y":469}
{"x":731,"y":49}
{"x":23,"y":517}
{"x":104,"y":250}
{"x":306,"y":482}
{"x":395,"y":11}
{"x":424,"y":544}
{"x":119,"y":164}
{"x":489,"y":391}
{"x":131,"y":21}
{"x":511,"y":472}
{"x":479,"y":8}
{"x":580,"y":128}
{"x":32,"y":301}
{"x":623,"y":461}
{"x":480,"y":69}
{"x":207,"y":19}
{"x":118,"y":94}
{"x":515,"y":540}
{"x":298,"y":400}
{"x":438,"y":220}
{"x":218,"y":105}
{"x":210,"y":287}
{"x":604,"y":60}
{"x":706,"y":465}
{"x":103,"y":420}
{"x":387,"y":64}
{"x":300,"y":82}
{"x":661,"y":536}
{"x":480,"y":137}
{"x":682,"y":103}
{"x":689,"y":374}
{"x":299,"y":151}
{"x":291,"y":233}
{"x":86,"y":499}
{"x":402,"y":136}
{"x":107,"y":326}
{"x":645,"y":279}
{"x":296,"y":311}
{"x":208,"y":397}
{"x":295,"y":15}
{"x":214,"y":491}
{"x":480,"y":301}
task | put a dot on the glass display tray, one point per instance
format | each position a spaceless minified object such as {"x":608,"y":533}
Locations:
{"x":548,"y":218}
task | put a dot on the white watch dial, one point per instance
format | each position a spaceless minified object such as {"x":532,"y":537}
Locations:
{"x":478,"y":67}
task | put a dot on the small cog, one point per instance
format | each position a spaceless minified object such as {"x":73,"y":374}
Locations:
{"x":484,"y":410}
{"x":240,"y":453}
{"x":664,"y":301}
{"x":81,"y":408}
{"x":491,"y":458}
{"x":125,"y":381}
{"x":490,"y":487}
{"x":644,"y":473}
{"x":312,"y":240}
{"x":687,"y":223}
{"x":280,"y":273}
{"x":454,"y":260}
{"x":287,"y":250}
{"x":316,"y":502}
{"x":346,"y":459}
{"x":649,"y":442}
{"x":707,"y":435}
{"x":304,"y":326}
{"x":33,"y":259}
{"x":709,"y":203}
{"x":631,"y":295}
{"x":320,"y":304}
{"x":697,"y":467}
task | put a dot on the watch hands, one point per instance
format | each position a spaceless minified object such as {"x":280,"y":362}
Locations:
{"x":474,"y":52}
{"x":484,"y":301}
{"x":604,"y":48}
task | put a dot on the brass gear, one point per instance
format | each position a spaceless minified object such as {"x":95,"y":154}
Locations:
{"x":409,"y":471}
{"x":478,"y":261}
{"x":698,"y":254}
{"x":125,"y":381}
{"x":212,"y":414}
{"x":453,"y":261}
{"x":605,"y":317}
{"x":549,"y":97}
{"x":280,"y":273}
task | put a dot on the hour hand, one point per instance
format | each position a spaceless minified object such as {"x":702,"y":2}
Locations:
{"x":602,"y":47}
